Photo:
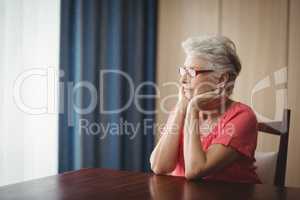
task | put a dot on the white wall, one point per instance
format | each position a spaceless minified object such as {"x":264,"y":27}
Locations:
{"x":29,"y":38}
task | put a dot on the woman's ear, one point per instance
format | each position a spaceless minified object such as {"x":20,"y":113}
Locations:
{"x":224,"y":78}
{"x":221,"y":86}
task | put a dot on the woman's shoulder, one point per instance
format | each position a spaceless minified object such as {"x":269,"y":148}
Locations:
{"x":239,"y":109}
{"x":242,"y":106}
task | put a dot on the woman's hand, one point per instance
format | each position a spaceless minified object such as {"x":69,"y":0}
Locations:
{"x":183,"y":101}
{"x":198,"y":103}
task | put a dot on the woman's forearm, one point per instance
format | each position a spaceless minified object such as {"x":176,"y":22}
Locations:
{"x":194,"y":156}
{"x":164,"y":156}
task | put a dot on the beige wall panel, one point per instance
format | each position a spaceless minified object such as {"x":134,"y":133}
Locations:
{"x":293,"y":166}
{"x":259,"y":29}
{"x":179,"y":19}
{"x":266,"y":33}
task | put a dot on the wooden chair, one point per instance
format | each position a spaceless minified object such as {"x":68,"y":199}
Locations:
{"x":279,"y":128}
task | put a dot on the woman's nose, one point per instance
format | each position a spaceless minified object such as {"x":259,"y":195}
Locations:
{"x":184,"y":79}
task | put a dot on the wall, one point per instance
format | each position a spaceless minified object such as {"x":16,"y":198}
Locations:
{"x":265,"y":34}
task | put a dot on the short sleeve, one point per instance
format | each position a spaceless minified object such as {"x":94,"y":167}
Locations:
{"x":239,"y":132}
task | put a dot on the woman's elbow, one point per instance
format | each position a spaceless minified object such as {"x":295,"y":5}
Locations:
{"x":190,"y":176}
{"x":158,"y":171}
{"x":161,"y":169}
{"x":193,"y":174}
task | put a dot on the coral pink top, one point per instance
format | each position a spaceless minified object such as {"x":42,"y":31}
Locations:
{"x":237,"y":128}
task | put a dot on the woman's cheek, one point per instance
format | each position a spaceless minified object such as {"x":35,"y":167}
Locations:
{"x":203,"y":87}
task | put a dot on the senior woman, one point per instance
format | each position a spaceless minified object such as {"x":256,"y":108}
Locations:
{"x":208,"y":135}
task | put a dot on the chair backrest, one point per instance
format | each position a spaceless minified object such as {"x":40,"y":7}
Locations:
{"x":281,"y":129}
{"x":266,"y":166}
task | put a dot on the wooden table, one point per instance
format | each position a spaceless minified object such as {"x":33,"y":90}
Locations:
{"x":111,"y":184}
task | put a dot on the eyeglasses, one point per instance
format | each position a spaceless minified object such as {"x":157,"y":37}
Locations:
{"x":192,"y":72}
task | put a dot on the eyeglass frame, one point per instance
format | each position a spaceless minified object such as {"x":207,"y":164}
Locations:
{"x":187,"y":70}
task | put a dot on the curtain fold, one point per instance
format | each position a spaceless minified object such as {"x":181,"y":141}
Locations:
{"x":107,"y":46}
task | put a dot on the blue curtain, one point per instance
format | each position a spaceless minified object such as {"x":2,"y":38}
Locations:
{"x":97,"y":36}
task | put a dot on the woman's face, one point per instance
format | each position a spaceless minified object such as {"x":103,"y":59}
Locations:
{"x":203,"y":82}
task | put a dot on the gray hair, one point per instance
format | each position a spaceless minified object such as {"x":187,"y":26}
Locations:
{"x":219,"y":51}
